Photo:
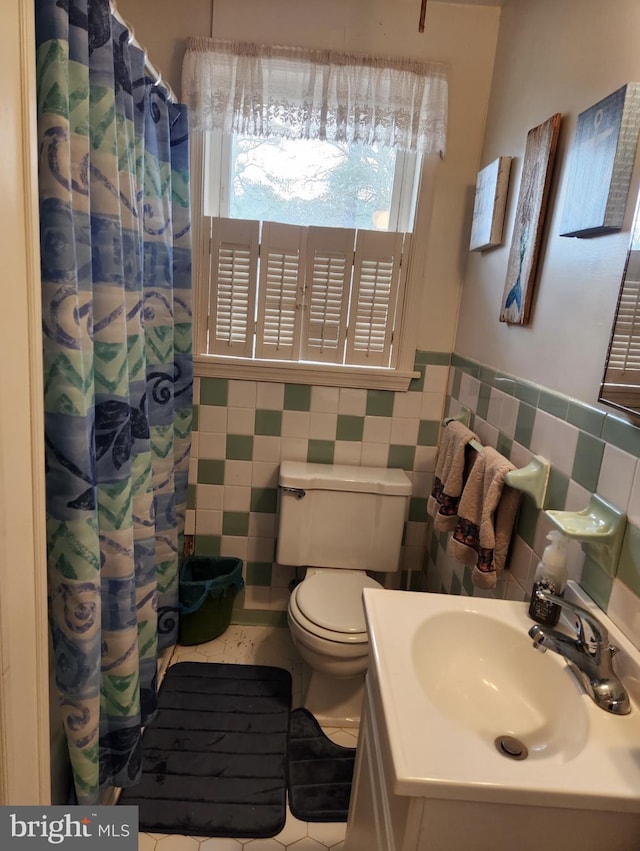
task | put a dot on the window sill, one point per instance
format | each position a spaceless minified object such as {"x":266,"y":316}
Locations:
{"x":327,"y":375}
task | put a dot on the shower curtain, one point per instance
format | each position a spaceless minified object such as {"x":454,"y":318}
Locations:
{"x":116,"y":277}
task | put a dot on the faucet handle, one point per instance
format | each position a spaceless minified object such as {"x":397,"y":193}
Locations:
{"x":579,"y":627}
{"x":599,"y":635}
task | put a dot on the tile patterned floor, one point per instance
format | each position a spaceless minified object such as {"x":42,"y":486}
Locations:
{"x":259,"y":645}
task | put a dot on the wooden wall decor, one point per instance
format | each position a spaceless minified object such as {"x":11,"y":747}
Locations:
{"x":601,"y":164}
{"x":537,"y":167}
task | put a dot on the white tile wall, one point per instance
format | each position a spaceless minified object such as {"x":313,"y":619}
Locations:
{"x":270,"y":397}
{"x":347,"y":452}
{"x":325,"y":399}
{"x":616,"y":476}
{"x":469,"y":391}
{"x":295,"y":424}
{"x":322,"y":426}
{"x":404,"y":431}
{"x":352,"y":401}
{"x":242,"y":394}
{"x":556,"y":440}
{"x":624,"y":611}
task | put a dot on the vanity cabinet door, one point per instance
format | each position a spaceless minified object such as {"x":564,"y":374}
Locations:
{"x":378,"y":820}
{"x":365,"y":825}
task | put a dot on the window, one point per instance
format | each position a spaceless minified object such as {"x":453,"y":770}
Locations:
{"x":308,"y":265}
{"x":311,"y":182}
{"x":312,"y":294}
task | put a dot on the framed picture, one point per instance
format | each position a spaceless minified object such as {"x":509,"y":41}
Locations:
{"x":602,"y":158}
{"x":537,"y":167}
{"x":489,"y":205}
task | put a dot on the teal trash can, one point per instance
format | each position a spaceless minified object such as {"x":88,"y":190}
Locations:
{"x":208,"y":586}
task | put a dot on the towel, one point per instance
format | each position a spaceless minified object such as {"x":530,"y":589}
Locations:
{"x":486,"y":518}
{"x":452,"y":466}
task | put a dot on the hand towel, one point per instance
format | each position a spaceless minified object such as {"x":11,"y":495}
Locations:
{"x":487,"y":514}
{"x":450,"y":475}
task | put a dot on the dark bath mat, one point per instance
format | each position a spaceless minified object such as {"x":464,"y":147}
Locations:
{"x":214,"y":758}
{"x":320,"y":772}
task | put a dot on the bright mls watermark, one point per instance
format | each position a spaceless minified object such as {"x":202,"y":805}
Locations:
{"x":80,"y":828}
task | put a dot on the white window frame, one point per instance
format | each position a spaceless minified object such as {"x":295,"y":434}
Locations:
{"x":396,"y":377}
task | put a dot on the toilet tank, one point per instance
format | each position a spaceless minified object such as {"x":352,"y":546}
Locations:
{"x":341,"y":516}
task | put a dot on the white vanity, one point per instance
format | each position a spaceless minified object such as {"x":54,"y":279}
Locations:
{"x":453,"y":683}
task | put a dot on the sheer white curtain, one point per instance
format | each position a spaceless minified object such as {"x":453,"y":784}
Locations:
{"x":262,"y":90}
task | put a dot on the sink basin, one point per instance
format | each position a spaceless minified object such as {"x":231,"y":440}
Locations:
{"x":493,"y":684}
{"x":453,"y":674}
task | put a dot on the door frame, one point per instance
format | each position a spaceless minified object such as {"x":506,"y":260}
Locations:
{"x":25,"y":769}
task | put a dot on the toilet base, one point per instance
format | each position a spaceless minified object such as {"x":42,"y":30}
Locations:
{"x":335,"y":701}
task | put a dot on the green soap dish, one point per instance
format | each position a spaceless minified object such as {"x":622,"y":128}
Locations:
{"x":599,"y":527}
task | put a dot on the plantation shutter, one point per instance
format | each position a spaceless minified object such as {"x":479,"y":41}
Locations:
{"x":316,"y":294}
{"x":328,"y":280}
{"x":378,"y":276}
{"x":621,"y":384}
{"x":623,"y":364}
{"x":281,"y":289}
{"x":624,"y":356}
{"x":234,"y":263}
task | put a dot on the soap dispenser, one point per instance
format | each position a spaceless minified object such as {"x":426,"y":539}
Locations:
{"x":550,"y":575}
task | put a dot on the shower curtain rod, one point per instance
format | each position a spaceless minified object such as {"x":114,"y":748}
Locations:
{"x":150,"y":69}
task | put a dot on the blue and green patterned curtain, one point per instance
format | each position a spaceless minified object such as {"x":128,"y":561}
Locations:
{"x":116,"y":279}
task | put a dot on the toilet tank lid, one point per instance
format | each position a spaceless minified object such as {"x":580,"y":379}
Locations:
{"x":344,"y":477}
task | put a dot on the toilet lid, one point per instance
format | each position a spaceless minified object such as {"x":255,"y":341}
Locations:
{"x":334,"y":600}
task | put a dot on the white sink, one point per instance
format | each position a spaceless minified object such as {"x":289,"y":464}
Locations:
{"x":492,"y":684}
{"x":455,"y":673}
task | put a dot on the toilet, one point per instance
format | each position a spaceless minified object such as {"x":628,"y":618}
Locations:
{"x":339,"y":522}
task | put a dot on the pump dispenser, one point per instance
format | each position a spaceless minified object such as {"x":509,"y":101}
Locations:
{"x":551,"y":575}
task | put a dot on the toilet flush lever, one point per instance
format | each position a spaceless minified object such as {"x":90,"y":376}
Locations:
{"x":299,"y":493}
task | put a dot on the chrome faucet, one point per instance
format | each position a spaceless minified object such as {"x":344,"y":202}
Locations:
{"x":589,"y":658}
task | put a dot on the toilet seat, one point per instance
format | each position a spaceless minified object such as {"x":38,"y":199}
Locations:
{"x":328,"y":603}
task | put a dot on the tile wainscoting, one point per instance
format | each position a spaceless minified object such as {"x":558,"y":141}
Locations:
{"x":590,"y":450}
{"x":243,"y":429}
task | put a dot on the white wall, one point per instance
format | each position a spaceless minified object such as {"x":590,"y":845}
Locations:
{"x":552,"y":57}
{"x":463,"y":36}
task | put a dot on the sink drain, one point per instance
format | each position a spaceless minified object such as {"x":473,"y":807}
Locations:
{"x":511,"y":747}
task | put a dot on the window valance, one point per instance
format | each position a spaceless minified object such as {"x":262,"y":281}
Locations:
{"x":297,"y":93}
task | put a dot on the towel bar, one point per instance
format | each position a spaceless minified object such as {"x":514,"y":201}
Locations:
{"x":463,"y":416}
{"x":531,"y":479}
